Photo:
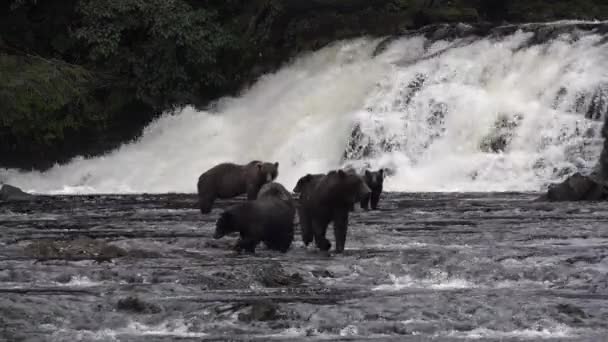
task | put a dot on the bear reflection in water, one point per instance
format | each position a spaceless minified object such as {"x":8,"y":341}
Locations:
{"x":269,"y":213}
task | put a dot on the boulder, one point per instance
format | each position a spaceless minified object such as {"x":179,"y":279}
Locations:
{"x":578,"y":188}
{"x":273,"y":275}
{"x":261,"y":311}
{"x":137,"y":305}
{"x":13,"y":193}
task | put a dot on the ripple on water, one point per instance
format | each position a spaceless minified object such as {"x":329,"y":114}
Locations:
{"x":440,"y":282}
{"x":539,"y":332}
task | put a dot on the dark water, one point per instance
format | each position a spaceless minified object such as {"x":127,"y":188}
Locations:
{"x":446,"y":267}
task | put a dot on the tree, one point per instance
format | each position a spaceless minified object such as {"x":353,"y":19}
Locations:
{"x":167,"y":52}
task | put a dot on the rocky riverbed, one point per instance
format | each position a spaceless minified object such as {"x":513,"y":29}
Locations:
{"x":452,"y":267}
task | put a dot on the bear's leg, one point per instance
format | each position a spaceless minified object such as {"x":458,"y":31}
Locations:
{"x":306,"y":226}
{"x":340,"y":227}
{"x":352,"y":207}
{"x":205,"y":201}
{"x":365,"y":202}
{"x":375,"y":199}
{"x":321,"y":241}
{"x":245,"y":244}
{"x":252,"y":191}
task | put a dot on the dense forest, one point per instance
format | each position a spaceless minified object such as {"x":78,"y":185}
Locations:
{"x":79,"y":77}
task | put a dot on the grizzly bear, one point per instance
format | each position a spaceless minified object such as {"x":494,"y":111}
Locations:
{"x":229,"y":180}
{"x":276,"y":190}
{"x":330,"y":201}
{"x":268,"y":219}
{"x":374,"y":180}
{"x":304,"y":187}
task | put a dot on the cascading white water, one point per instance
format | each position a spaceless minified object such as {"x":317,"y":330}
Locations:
{"x":460,"y":115}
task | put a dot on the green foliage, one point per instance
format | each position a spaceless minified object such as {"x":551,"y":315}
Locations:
{"x":541,"y":10}
{"x":169,"y":53}
{"x":34,"y":93}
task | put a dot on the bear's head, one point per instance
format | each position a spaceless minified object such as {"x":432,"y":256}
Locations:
{"x":274,"y":190}
{"x":307,"y":183}
{"x":374,"y":179}
{"x":225,"y":225}
{"x":267,"y":172}
{"x":302,"y":183}
{"x":350,"y":187}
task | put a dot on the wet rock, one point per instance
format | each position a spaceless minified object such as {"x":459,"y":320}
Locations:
{"x":577,"y":188}
{"x":143,"y":254}
{"x":135,"y":279}
{"x":63,"y":278}
{"x":571,"y":310}
{"x":110,"y":252}
{"x":13,"y":193}
{"x":603,"y":162}
{"x":219,"y":244}
{"x":322,"y":274}
{"x":262,"y":311}
{"x":501,"y":137}
{"x":274,"y":275}
{"x":589,"y":259}
{"x":136,"y":305}
{"x":79,"y":249}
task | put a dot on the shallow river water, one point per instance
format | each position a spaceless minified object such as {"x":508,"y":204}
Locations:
{"x":428,"y":266}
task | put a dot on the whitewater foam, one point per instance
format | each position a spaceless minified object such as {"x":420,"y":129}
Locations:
{"x":439,"y":282}
{"x":490,"y":114}
{"x":557,"y":331}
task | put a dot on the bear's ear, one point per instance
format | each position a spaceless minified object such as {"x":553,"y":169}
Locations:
{"x":367,"y":173}
{"x":259,"y":165}
{"x":381,"y":172}
{"x":341,"y":173}
{"x":276,"y":165}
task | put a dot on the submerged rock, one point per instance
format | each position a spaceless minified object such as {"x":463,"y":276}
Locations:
{"x":262,"y":311}
{"x":79,"y":249}
{"x":274,"y":275}
{"x":322,"y":274}
{"x":136,"y":305}
{"x":578,"y":188}
{"x":13,"y":193}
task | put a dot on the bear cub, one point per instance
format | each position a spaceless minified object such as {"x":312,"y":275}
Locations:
{"x":229,"y":180}
{"x":268,"y":219}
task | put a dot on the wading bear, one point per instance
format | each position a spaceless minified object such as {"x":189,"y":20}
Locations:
{"x":268,"y":219}
{"x":329,"y":201}
{"x":304,"y":187}
{"x":374,"y":180}
{"x":229,"y":180}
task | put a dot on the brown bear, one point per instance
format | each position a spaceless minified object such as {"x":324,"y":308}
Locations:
{"x":276,"y":190}
{"x":268,"y":219}
{"x":229,"y":180}
{"x":304,"y":187}
{"x":374,"y":180}
{"x":329,"y":201}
